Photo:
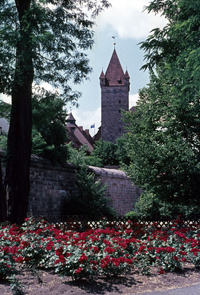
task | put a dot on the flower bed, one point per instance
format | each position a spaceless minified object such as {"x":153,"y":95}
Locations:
{"x":102,"y":251}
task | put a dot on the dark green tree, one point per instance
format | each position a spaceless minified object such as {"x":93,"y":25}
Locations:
{"x":40,"y":41}
{"x":90,"y":199}
{"x":121,"y":151}
{"x":164,"y":132}
{"x":4,"y":110}
{"x":49,"y":127}
{"x":106,"y":152}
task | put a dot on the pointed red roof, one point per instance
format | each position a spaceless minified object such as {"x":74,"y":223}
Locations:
{"x":126,"y":74}
{"x":70,"y":117}
{"x":102,"y":76}
{"x":114,"y":73}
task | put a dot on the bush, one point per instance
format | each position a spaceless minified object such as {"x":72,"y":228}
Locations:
{"x":90,"y":199}
{"x":99,"y":251}
{"x":150,"y":207}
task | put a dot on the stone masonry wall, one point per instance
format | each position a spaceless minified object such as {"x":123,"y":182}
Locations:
{"x":120,"y":189}
{"x":114,"y":99}
{"x":53,"y":187}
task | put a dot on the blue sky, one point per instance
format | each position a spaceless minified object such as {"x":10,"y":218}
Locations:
{"x":127,"y":21}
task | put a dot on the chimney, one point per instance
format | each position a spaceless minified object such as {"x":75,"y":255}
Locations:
{"x":87,"y":132}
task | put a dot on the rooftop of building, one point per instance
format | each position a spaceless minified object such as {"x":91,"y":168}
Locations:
{"x":114,"y":75}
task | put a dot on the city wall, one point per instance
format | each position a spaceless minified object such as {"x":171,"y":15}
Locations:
{"x":53,"y":187}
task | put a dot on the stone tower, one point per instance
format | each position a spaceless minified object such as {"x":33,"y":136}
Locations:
{"x":114,"y":97}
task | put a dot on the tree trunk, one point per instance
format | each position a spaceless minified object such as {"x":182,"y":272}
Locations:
{"x":19,"y":136}
{"x":2,"y":198}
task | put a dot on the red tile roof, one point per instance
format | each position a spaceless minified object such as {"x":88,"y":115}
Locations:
{"x":114,"y":74}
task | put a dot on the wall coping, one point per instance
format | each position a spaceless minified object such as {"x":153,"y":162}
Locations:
{"x":109,"y":172}
{"x":41,"y":162}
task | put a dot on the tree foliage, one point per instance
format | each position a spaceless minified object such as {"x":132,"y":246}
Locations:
{"x":40,"y":41}
{"x":90,"y":199}
{"x":109,"y":154}
{"x":57,"y":31}
{"x":49,"y":127}
{"x":106,"y":152}
{"x":164,"y":132}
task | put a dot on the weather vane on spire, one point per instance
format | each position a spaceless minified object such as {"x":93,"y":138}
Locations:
{"x":114,"y":40}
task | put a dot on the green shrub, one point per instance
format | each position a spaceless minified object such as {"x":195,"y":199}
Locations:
{"x":90,"y":198}
{"x":151,"y":207}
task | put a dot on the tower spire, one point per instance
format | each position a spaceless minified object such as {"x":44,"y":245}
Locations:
{"x":114,"y":98}
{"x":114,"y":40}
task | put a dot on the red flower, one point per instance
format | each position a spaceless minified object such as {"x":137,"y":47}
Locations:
{"x":105,"y":261}
{"x":62,"y":259}
{"x":19,"y":259}
{"x":49,"y":245}
{"x":78,"y":270}
{"x":141,"y":248}
{"x":182,"y":253}
{"x":27,"y":259}
{"x":59,"y":251}
{"x":170,"y":249}
{"x":106,"y":242}
{"x":159,"y":249}
{"x":175,"y":258}
{"x":96,"y":250}
{"x":83,"y":258}
{"x":129,"y":261}
{"x":25,"y":244}
{"x":110,"y":250}
{"x":93,"y":262}
{"x":161,"y":271}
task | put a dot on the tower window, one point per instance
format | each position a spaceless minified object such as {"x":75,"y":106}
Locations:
{"x":120,"y":111}
{"x":120,"y":129}
{"x":114,"y":91}
{"x":120,"y":101}
{"x":119,"y":80}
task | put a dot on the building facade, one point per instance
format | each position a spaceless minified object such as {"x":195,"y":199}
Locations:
{"x":115,"y":86}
